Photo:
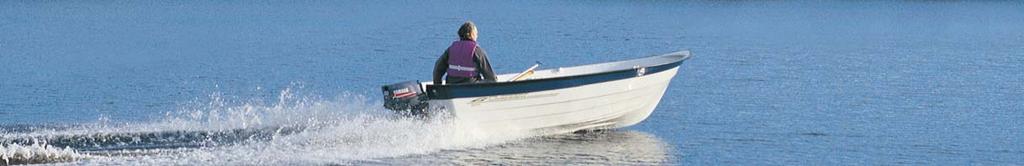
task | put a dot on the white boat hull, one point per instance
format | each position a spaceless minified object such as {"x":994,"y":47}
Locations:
{"x":607,"y":105}
{"x":590,"y":97}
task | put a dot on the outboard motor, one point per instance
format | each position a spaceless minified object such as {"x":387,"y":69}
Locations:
{"x":405,"y":98}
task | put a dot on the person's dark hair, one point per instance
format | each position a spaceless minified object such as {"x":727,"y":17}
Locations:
{"x":466,"y":28}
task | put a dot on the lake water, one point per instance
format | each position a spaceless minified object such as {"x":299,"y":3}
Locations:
{"x":277,"y":82}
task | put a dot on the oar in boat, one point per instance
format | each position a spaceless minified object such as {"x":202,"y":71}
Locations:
{"x":527,"y":73}
{"x":522,"y":75}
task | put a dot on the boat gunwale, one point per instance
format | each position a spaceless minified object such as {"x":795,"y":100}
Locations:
{"x":434,"y":91}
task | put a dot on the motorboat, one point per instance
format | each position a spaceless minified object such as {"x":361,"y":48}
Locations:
{"x":564,"y":99}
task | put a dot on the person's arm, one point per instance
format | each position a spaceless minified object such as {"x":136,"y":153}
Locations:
{"x":484,"y":65}
{"x":440,"y":67}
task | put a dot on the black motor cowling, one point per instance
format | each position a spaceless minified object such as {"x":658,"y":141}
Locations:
{"x":405,"y":97}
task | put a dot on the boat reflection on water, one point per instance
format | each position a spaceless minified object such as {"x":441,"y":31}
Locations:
{"x":611,"y":147}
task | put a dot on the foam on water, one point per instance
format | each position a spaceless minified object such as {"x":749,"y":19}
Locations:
{"x":11,"y":154}
{"x":294,"y":130}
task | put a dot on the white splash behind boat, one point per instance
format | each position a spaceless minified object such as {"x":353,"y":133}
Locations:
{"x":596,"y":96}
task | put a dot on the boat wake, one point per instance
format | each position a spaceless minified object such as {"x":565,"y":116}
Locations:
{"x":293,"y":130}
{"x":13,"y":154}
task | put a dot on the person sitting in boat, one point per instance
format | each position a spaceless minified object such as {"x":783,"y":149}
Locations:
{"x":464,"y":61}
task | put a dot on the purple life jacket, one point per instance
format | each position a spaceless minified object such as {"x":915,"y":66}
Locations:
{"x":460,"y":59}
